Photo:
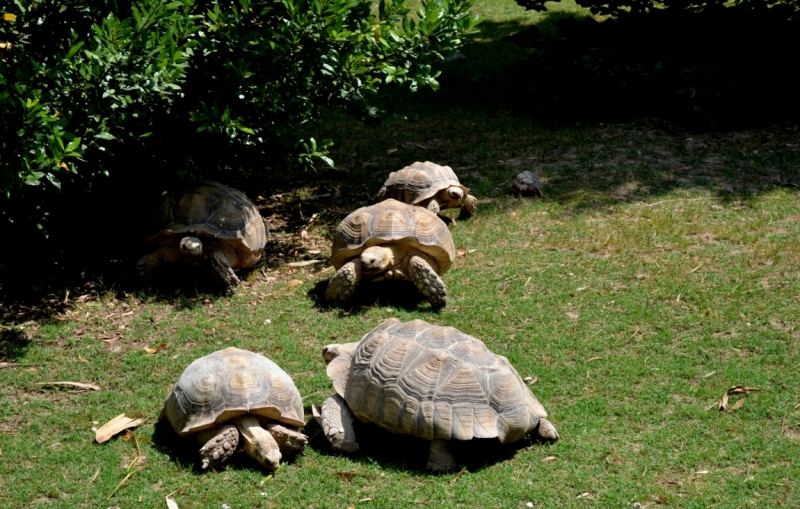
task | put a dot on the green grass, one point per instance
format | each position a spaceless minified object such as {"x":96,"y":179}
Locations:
{"x":656,"y":273}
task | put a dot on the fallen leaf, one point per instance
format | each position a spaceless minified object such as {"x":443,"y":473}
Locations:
{"x":549,"y":458}
{"x":156,"y":349}
{"x":345,"y":475}
{"x":461,"y":252}
{"x":304,"y":263}
{"x":114,"y":426}
{"x":82,"y":359}
{"x":593,"y":359}
{"x":171,"y":504}
{"x":9,"y":17}
{"x":701,"y":472}
{"x":96,"y":473}
{"x":736,"y":389}
{"x":391,"y":151}
{"x":295,"y":282}
{"x":77,"y":385}
{"x":530,"y":380}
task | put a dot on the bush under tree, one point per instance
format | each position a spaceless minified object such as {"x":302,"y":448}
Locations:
{"x":190,"y":87}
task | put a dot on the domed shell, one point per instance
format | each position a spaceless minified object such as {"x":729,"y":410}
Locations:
{"x":391,"y":221}
{"x":215,"y":211}
{"x":229,"y":383}
{"x":418,"y":182}
{"x":434,"y":382}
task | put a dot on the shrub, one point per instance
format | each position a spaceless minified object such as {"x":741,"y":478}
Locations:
{"x":186,"y":86}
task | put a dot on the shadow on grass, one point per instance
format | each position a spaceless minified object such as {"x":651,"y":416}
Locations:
{"x":185,"y":452}
{"x":404,"y":453}
{"x":397,"y":294}
{"x":13,"y":344}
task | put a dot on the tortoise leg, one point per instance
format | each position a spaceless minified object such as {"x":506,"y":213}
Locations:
{"x":469,"y":207}
{"x":221,"y":267}
{"x":219,"y":446}
{"x":427,"y":281}
{"x":546,"y":431}
{"x":259,"y":443}
{"x":289,"y":441}
{"x":344,"y":282}
{"x":336,"y":421}
{"x":440,"y":459}
{"x":149,"y":263}
{"x":433,"y":206}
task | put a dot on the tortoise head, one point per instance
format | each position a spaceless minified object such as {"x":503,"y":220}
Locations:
{"x":191,"y":246}
{"x":377,"y":258}
{"x":454,"y":193}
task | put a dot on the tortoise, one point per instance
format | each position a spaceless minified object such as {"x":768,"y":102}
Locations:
{"x":391,"y":240}
{"x":428,"y":381}
{"x":431,"y":186}
{"x":235,"y":392}
{"x":527,"y":184}
{"x":208,"y":225}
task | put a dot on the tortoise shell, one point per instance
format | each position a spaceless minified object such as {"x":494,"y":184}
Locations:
{"x":434,"y":382}
{"x":229,"y":383}
{"x":419,"y":182}
{"x":216,"y":214}
{"x":527,"y":183}
{"x":391,"y":221}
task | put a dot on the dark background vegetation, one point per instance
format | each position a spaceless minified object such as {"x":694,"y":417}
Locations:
{"x":684,"y":67}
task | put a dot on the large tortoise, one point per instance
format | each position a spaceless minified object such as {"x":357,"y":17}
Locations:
{"x":431,"y":382}
{"x":391,"y":240}
{"x":232,"y":392}
{"x":429,"y":185}
{"x":208,"y":225}
{"x":527,"y":184}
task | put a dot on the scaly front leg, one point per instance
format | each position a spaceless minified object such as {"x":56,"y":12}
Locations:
{"x":344,"y":283}
{"x":427,"y":281}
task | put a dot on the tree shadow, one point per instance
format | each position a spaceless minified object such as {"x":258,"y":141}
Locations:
{"x":13,"y":344}
{"x":403,"y":453}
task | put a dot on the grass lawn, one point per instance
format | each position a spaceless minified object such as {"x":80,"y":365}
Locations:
{"x":661,"y":268}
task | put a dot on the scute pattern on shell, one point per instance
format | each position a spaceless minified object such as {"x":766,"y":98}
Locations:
{"x":229,"y":383}
{"x":212,"y":210}
{"x":435,"y":383}
{"x":418,"y":182}
{"x":393,"y":221}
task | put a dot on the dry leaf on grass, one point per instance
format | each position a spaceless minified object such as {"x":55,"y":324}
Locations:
{"x":295,"y":282}
{"x":722,"y":406}
{"x":114,"y":426}
{"x":345,"y":475}
{"x":304,"y":263}
{"x":549,"y":458}
{"x":171,"y":504}
{"x":77,"y":385}
{"x":156,"y":349}
{"x":461,"y":252}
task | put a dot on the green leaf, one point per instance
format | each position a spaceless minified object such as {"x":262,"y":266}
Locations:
{"x":105,"y":136}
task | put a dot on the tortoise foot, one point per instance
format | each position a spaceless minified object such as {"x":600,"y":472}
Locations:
{"x":219,"y":447}
{"x":344,"y":283}
{"x":427,"y":281}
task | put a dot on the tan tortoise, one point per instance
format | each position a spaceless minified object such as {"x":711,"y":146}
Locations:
{"x":432,"y":382}
{"x":208,"y":225}
{"x":235,"y":393}
{"x":429,"y":185}
{"x":391,"y":240}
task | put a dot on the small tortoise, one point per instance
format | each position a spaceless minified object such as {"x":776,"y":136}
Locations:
{"x":232,"y":392}
{"x":432,"y":382}
{"x":527,"y":184}
{"x":431,"y":186}
{"x":391,"y":240}
{"x":208,"y":225}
